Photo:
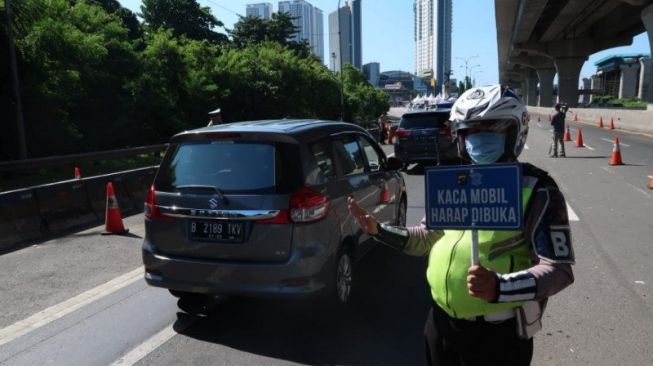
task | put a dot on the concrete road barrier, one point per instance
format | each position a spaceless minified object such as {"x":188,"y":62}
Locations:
{"x":34,"y":212}
{"x":137,"y":183}
{"x":64,"y":205}
{"x":96,"y":191}
{"x":19,"y":217}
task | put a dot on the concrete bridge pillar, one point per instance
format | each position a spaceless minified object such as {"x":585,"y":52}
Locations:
{"x":645,"y":76}
{"x":531,"y":89}
{"x":546,"y":76}
{"x":647,"y":19}
{"x":568,"y":73}
{"x":595,"y":84}
{"x":628,"y":80}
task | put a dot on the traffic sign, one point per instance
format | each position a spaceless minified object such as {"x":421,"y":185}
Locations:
{"x":474,"y":197}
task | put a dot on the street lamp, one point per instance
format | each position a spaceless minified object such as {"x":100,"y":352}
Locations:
{"x":466,"y":61}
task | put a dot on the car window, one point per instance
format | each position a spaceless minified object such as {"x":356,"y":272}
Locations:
{"x":349,"y":155}
{"x":242,"y":166}
{"x":434,"y":120}
{"x":319,"y":166}
{"x":373,"y":158}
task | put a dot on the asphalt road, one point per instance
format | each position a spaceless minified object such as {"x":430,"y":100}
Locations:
{"x":81,"y":300}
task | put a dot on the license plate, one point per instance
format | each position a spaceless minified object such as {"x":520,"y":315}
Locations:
{"x":213,"y":230}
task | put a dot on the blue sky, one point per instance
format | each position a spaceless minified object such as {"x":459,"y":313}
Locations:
{"x":388,"y":33}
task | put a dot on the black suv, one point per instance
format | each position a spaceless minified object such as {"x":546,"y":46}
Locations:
{"x":259,"y":209}
{"x":426,"y":137}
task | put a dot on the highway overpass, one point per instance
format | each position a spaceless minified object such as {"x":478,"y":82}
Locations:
{"x":538,"y":39}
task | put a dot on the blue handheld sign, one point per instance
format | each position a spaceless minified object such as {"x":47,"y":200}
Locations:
{"x":474,"y":197}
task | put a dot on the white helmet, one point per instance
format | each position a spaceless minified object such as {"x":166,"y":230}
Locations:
{"x":491,"y":107}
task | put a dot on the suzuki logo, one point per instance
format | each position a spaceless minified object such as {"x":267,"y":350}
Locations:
{"x":213,"y":203}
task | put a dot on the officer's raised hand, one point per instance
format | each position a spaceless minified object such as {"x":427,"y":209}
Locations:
{"x":366,"y":220}
{"x":482,"y":283}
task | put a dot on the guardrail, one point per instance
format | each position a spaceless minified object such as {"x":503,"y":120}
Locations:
{"x":28,"y":164}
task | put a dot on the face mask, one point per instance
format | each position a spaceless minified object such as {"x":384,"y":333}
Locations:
{"x":485,"y":147}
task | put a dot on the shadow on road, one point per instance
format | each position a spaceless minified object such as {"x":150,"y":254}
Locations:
{"x":383,"y":326}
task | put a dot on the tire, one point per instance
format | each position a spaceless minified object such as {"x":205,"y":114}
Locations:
{"x":401,"y":213}
{"x":343,"y":277}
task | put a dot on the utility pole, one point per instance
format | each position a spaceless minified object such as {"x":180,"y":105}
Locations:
{"x":22,"y":147}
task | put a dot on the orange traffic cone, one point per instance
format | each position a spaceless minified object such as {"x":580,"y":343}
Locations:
{"x":615,"y":159}
{"x":611,"y":123}
{"x":579,"y":139}
{"x":113,"y":220}
{"x":650,"y":182}
{"x":601,"y":122}
{"x":78,"y":174}
{"x":575,"y":117}
{"x":567,"y":136}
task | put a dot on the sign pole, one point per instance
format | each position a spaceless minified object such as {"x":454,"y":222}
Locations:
{"x":475,"y":260}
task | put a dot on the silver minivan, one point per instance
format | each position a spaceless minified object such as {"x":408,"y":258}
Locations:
{"x":259,"y":209}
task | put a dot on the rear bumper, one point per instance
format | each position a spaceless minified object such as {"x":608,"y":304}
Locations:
{"x":302,"y":275}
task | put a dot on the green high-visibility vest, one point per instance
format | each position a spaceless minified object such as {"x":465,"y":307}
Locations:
{"x":450,"y":258}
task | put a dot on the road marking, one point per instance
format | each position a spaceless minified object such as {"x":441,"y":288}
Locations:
{"x":589,"y":147}
{"x":612,"y":142}
{"x":64,"y":308}
{"x":526,"y":147}
{"x":571,"y":214}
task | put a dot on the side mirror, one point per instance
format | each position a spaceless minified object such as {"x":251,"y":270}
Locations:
{"x":394,"y":163}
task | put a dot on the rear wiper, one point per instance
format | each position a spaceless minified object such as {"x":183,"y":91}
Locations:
{"x":200,"y":186}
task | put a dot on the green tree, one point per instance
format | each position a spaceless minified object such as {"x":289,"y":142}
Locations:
{"x":363,"y":102}
{"x":269,"y":80}
{"x":279,"y":29}
{"x":184,"y":17}
{"x":74,"y":61}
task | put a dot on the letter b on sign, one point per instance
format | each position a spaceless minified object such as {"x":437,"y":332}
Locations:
{"x":560,"y":244}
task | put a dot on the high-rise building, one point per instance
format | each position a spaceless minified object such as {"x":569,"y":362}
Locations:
{"x":309,"y":24}
{"x":348,"y":26}
{"x":433,"y":39}
{"x":317,"y":34}
{"x":260,"y":10}
{"x":357,"y":45}
{"x":340,"y":38}
{"x":372,"y":72}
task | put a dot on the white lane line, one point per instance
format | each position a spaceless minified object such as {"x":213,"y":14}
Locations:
{"x":154,"y":342}
{"x":526,"y":147}
{"x":64,"y":308}
{"x":612,"y":142}
{"x":571,"y":214}
{"x":589,"y":147}
{"x":146,"y":347}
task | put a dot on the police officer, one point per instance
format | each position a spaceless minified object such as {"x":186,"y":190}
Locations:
{"x":215,"y":117}
{"x":486,"y":314}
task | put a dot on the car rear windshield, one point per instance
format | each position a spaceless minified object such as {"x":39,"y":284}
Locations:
{"x":231,"y":166}
{"x":431,"y":120}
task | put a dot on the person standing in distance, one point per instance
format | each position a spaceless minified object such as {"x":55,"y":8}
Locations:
{"x":558,"y":123}
{"x":479,"y":311}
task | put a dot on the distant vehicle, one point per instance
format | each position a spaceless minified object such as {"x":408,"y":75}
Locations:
{"x":259,"y":209}
{"x":426,"y":137}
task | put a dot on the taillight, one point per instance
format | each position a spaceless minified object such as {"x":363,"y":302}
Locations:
{"x":151,"y":209}
{"x":402,"y":133}
{"x":307,"y":205}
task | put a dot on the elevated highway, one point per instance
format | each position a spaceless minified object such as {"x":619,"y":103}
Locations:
{"x":538,"y":39}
